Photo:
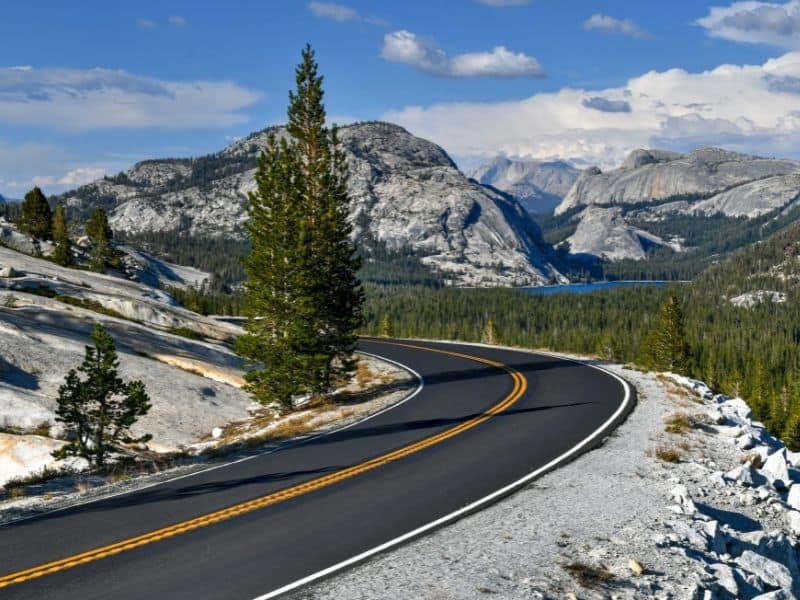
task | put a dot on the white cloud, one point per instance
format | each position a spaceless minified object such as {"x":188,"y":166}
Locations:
{"x":146,"y":23}
{"x":79,"y":100}
{"x":50,"y":166}
{"x":756,"y":23}
{"x":504,"y":2}
{"x":178,"y":21}
{"x":608,"y":24}
{"x":342,"y":13}
{"x":336,"y":12}
{"x":739,"y":107}
{"x":424,"y":55}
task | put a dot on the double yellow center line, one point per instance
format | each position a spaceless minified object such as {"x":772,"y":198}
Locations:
{"x":520,"y":386}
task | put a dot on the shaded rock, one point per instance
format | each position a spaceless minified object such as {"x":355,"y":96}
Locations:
{"x":770,"y":572}
{"x":725,"y":579}
{"x":776,"y":469}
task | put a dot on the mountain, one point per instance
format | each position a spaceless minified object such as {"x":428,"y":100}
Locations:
{"x":408,"y":197}
{"x":658,"y":204}
{"x":539,"y":186}
{"x":708,"y":180}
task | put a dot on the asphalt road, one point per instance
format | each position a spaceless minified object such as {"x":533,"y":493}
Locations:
{"x":483,"y":420}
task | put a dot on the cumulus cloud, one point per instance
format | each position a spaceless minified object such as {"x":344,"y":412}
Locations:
{"x":178,"y":21}
{"x":776,"y":24}
{"x":424,"y":55}
{"x":606,"y":24}
{"x":146,"y":23}
{"x":739,"y":107}
{"x":85,"y":99}
{"x":606,"y":105}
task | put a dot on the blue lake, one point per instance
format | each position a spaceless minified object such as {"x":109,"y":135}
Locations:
{"x":595,"y":286}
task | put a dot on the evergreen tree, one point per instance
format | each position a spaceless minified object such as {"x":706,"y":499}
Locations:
{"x":99,"y":410}
{"x":302,"y":296}
{"x":666,"y":348}
{"x":36,"y":215}
{"x":63,"y":252}
{"x":385,"y":328}
{"x":100,"y":234}
{"x":489,"y":335}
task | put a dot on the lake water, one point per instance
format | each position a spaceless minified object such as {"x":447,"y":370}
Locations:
{"x":595,"y":286}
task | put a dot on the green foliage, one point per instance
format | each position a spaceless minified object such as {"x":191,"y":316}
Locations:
{"x":385,"y":327}
{"x":100,"y":234}
{"x":62,"y":253}
{"x":489,"y":335}
{"x":302,"y":296}
{"x":36,"y":216}
{"x":99,"y":410}
{"x":665,"y":348}
{"x":186,"y":332}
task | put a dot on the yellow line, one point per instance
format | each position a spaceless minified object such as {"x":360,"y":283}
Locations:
{"x":520,"y":386}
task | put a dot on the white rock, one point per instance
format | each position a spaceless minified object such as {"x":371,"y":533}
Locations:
{"x":716,"y":538}
{"x":793,"y":499}
{"x":793,"y":522}
{"x":776,"y":595}
{"x":746,"y":441}
{"x":717,"y":479}
{"x":216,"y":433}
{"x":770,"y":572}
{"x":7,"y":271}
{"x":680,"y":494}
{"x":689,"y":534}
{"x":737,"y":409}
{"x":793,"y":458}
{"x":776,"y":469}
{"x":725,"y":578}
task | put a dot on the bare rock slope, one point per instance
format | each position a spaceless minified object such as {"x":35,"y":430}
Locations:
{"x":407,"y":194}
{"x":540,"y":186}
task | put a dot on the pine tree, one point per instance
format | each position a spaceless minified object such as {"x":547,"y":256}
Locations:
{"x":385,"y":328}
{"x":100,"y":234}
{"x":62,"y":254}
{"x":302,"y":296}
{"x":99,"y":410}
{"x":36,"y":215}
{"x":666,"y":348}
{"x":489,"y":334}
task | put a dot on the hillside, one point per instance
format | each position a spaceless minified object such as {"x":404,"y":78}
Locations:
{"x":539,"y":186}
{"x":408,"y":198}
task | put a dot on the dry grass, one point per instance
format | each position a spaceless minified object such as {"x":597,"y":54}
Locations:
{"x":364,"y":374}
{"x":679,"y":423}
{"x":667,"y":454}
{"x":754,"y":459}
{"x":14,"y":492}
{"x":588,"y":576}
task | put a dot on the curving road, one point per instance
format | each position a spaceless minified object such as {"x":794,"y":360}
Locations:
{"x":484,"y":422}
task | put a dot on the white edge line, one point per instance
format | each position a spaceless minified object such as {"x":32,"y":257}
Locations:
{"x":281,"y":446}
{"x":478,"y":503}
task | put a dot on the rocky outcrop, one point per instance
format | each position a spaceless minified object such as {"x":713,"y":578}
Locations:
{"x":746,"y":185}
{"x":539,"y":186}
{"x":603,"y":232}
{"x":407,"y":194}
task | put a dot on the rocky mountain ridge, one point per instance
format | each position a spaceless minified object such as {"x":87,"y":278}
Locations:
{"x":654,"y":196}
{"x":538,"y":185}
{"x":407,"y":195}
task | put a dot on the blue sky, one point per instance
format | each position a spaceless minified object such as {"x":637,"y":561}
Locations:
{"x":90,"y":88}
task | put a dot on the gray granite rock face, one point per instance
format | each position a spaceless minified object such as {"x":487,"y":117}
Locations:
{"x":406,"y":191}
{"x":539,"y":186}
{"x":728,"y":182}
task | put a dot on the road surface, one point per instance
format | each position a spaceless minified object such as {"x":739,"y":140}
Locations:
{"x":483,"y":422}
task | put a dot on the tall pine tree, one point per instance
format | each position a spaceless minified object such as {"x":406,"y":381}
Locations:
{"x":100,"y":234}
{"x":303,"y":298}
{"x":62,"y":254}
{"x":666,"y":348}
{"x":36,"y":215}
